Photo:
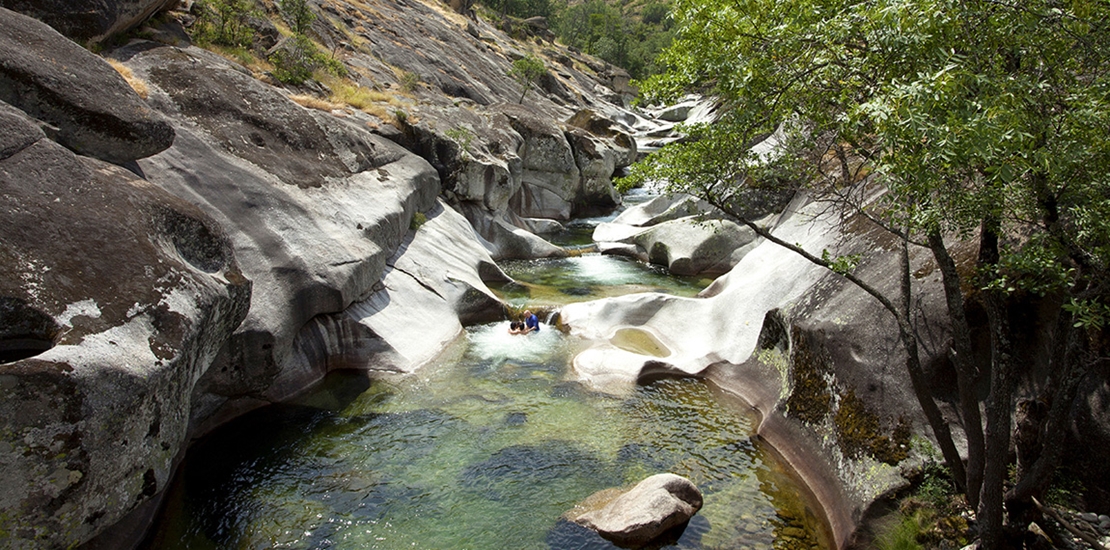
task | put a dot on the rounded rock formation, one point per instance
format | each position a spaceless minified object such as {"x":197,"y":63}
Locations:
{"x":651,"y":508}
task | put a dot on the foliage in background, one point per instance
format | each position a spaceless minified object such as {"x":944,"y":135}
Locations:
{"x":617,"y":34}
{"x":626,"y":35}
{"x":527,"y":71}
{"x":298,"y":14}
{"x":981,"y":119}
{"x":223,"y":22}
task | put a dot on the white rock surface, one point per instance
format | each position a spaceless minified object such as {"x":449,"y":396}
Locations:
{"x":648,"y":510}
{"x":766,"y":278}
{"x":686,"y":235}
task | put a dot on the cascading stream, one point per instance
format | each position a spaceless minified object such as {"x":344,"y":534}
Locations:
{"x":486,"y":448}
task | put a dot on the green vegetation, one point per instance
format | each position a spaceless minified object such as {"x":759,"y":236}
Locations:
{"x":615,"y":34}
{"x":859,"y":432}
{"x":527,"y":71}
{"x":299,"y":58}
{"x":223,"y":23}
{"x":627,"y":34}
{"x":462,"y":137}
{"x":298,"y":14}
{"x":984,"y":121}
{"x":931,"y":516}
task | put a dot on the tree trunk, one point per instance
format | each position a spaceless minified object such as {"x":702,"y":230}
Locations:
{"x":998,"y":425}
{"x":963,"y":360}
{"x":1068,"y":370}
{"x":997,"y":437}
{"x":920,"y":385}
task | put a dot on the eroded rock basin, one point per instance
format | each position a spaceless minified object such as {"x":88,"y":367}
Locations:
{"x":486,"y":449}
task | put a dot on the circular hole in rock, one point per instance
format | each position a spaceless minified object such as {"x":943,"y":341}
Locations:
{"x":194,"y":241}
{"x":24,"y":331}
{"x":639,"y":341}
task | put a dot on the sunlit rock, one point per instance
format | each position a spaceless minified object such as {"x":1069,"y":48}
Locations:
{"x":115,"y":296}
{"x":81,"y":101}
{"x":686,"y":235}
{"x":314,"y":206}
{"x":648,"y":510}
{"x":90,"y":20}
{"x":433,"y":284}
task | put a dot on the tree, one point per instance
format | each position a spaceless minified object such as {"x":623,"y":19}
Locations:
{"x":224,"y":22}
{"x":298,"y":14}
{"x":527,"y":71}
{"x":983,"y":119}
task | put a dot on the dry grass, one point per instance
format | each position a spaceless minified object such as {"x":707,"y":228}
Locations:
{"x":441,"y":7}
{"x":136,"y":83}
{"x":360,"y":97}
{"x":313,"y":102}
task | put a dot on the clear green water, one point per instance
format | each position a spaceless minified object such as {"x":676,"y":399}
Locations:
{"x":485,"y":450}
{"x":588,"y":277}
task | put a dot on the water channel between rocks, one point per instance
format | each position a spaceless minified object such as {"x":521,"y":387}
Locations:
{"x":486,"y":449}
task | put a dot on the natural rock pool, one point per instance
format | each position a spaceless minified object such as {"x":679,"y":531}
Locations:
{"x":486,"y":449}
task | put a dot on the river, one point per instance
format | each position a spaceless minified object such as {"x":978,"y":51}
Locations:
{"x":486,"y":448}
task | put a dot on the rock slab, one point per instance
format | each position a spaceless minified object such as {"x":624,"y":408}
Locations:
{"x":82,"y":102}
{"x":651,"y":508}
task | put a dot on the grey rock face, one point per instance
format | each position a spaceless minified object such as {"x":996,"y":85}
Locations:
{"x":655,"y":505}
{"x":433,"y":284}
{"x":89,"y":20}
{"x":685,"y":235}
{"x":120,"y":295}
{"x":314,"y":207}
{"x":84,"y":103}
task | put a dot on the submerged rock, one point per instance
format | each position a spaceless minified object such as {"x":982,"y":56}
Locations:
{"x":650,"y":509}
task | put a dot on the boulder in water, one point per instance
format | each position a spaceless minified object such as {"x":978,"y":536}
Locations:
{"x":651,"y":508}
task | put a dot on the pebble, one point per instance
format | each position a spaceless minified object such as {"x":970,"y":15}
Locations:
{"x":1089,"y":517}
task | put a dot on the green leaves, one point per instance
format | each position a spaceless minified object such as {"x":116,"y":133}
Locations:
{"x":527,"y":71}
{"x":841,"y":264}
{"x":966,"y":111}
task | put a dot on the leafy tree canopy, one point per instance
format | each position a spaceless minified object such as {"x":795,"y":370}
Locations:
{"x":967,"y":109}
{"x":980,"y":118}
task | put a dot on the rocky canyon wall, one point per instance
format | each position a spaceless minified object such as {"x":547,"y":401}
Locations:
{"x":172,"y":260}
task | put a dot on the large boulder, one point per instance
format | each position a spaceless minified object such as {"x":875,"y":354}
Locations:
{"x":315,"y":207}
{"x":651,"y":508}
{"x":115,"y":296}
{"x":89,"y":20}
{"x":82,"y":101}
{"x":435,"y":282}
{"x":505,"y":236}
{"x":687,"y":236}
{"x":795,"y":341}
{"x":550,"y":175}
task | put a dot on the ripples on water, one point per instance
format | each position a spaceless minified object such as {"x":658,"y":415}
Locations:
{"x":588,"y":277}
{"x":483,"y":453}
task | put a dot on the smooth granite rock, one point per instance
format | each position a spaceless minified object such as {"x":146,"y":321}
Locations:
{"x":115,"y":296}
{"x":651,"y":508}
{"x":89,"y":21}
{"x":83,"y":103}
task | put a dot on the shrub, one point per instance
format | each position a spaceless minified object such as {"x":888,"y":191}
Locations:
{"x":527,"y":71}
{"x":296,"y":61}
{"x":223,"y":22}
{"x":298,"y":14}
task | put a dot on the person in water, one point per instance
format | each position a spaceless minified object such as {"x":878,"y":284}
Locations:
{"x":531,"y":322}
{"x":516,"y":327}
